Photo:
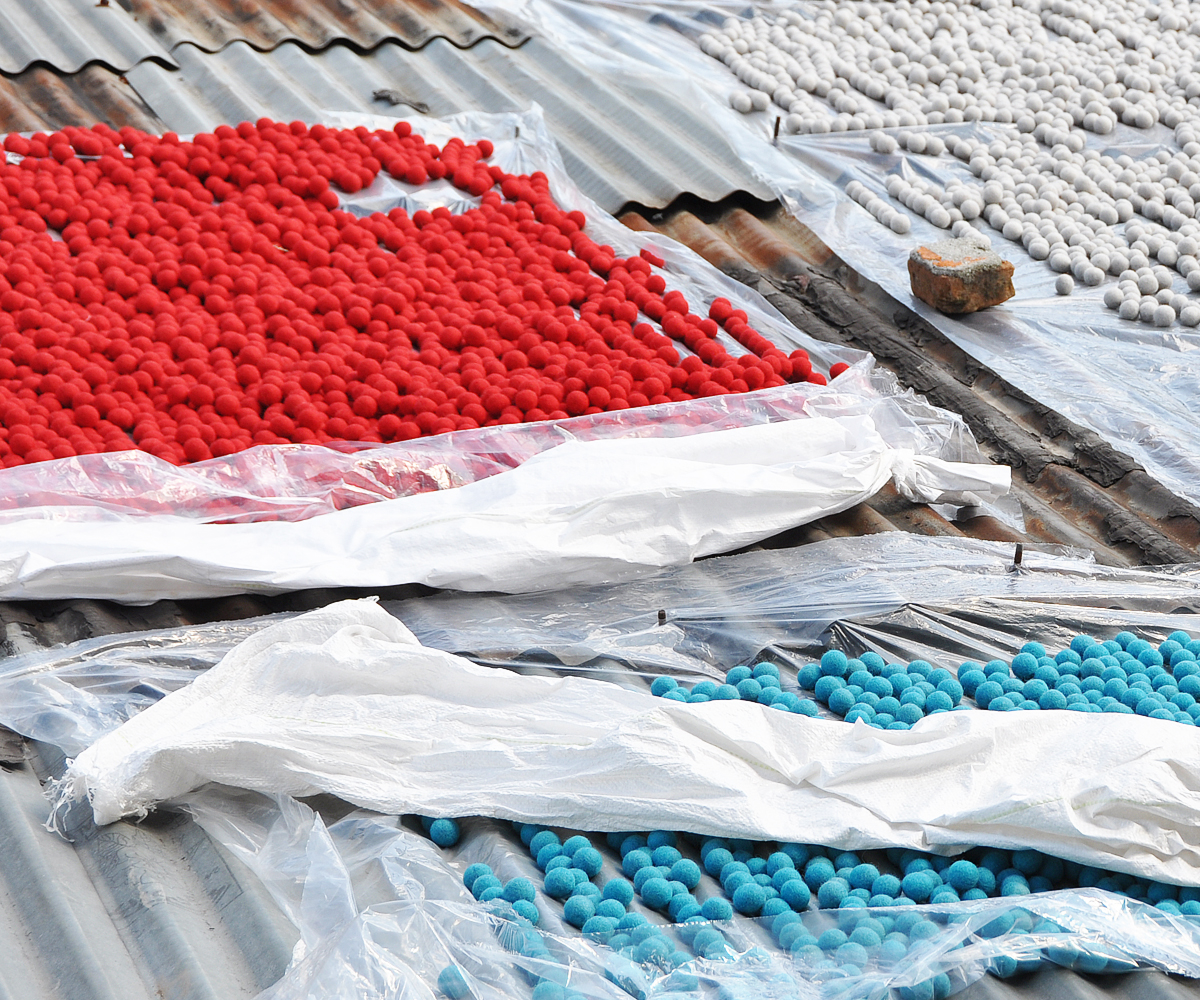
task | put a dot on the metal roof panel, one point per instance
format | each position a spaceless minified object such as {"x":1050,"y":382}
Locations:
{"x":213,"y":24}
{"x":70,"y":34}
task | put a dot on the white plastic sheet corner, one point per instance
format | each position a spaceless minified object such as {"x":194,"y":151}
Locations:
{"x":284,"y":713}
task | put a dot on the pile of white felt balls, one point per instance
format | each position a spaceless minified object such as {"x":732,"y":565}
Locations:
{"x":1047,"y":72}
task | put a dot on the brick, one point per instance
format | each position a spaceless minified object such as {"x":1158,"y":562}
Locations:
{"x":959,"y":276}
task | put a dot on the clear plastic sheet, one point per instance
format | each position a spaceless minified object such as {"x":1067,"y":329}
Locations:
{"x":71,"y":695}
{"x":699,"y":620}
{"x":1131,"y":383}
{"x":292,"y":482}
{"x":895,"y":593}
{"x":295,"y":482}
{"x":382,"y":912}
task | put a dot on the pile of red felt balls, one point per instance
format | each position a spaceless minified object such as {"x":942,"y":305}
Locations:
{"x":207,"y":296}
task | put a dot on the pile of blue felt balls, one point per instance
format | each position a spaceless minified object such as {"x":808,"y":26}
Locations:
{"x":839,"y":914}
{"x":759,"y":683}
{"x":602,"y":914}
{"x":1122,"y":675}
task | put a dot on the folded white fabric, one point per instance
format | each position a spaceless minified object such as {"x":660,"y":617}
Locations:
{"x":345,"y":700}
{"x":582,"y":512}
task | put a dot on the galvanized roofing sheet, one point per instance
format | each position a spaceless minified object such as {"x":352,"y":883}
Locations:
{"x":620,"y":146}
{"x":70,"y":34}
{"x":213,"y":24}
{"x":127,"y":912}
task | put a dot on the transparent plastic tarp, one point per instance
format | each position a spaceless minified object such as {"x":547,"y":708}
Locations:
{"x":1130,"y":382}
{"x":896,"y":593}
{"x":383,"y":912}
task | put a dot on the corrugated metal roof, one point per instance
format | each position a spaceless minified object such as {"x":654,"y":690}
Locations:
{"x":40,"y":98}
{"x":619,"y":146}
{"x":213,"y":24}
{"x":155,"y":909}
{"x":70,"y":34}
{"x":131,"y":911}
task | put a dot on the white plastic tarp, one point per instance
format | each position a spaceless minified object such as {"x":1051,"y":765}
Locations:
{"x":598,"y":510}
{"x":345,"y":700}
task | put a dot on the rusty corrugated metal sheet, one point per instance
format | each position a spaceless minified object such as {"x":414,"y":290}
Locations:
{"x":70,"y":34}
{"x":42,"y":99}
{"x":213,"y":24}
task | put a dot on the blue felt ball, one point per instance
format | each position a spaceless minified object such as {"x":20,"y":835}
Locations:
{"x":452,"y":983}
{"x":841,"y":701}
{"x":444,"y":832}
{"x":749,"y":689}
{"x":473,"y":872}
{"x":635,"y":861}
{"x":548,"y":990}
{"x":833,"y":663}
{"x":610,"y":908}
{"x":578,"y":910}
{"x":826,"y":686}
{"x":818,"y":871}
{"x":520,"y":888}
{"x":540,"y":840}
{"x":971,"y":680}
{"x":987,"y":692}
{"x":599,"y":928}
{"x":665,"y":855}
{"x":796,"y":894}
{"x":559,"y":883}
{"x":656,"y":892}
{"x":572,"y":845}
{"x":962,"y":875}
{"x":547,"y":853}
{"x":662,"y":685}
{"x":618,"y":889}
{"x":686,"y":871}
{"x":807,"y":707}
{"x":749,"y":899}
{"x":737,"y":675}
{"x":632,"y":843}
{"x":678,"y":694}
{"x":588,"y":860}
{"x":832,"y":892}
{"x":726,"y":692}
{"x":494,"y":892}
{"x":765,"y":669}
{"x":774,"y":907}
{"x":1052,"y":700}
{"x":716,"y":908}
{"x":526,"y":909}
{"x":716,"y":859}
{"x":482,"y":883}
